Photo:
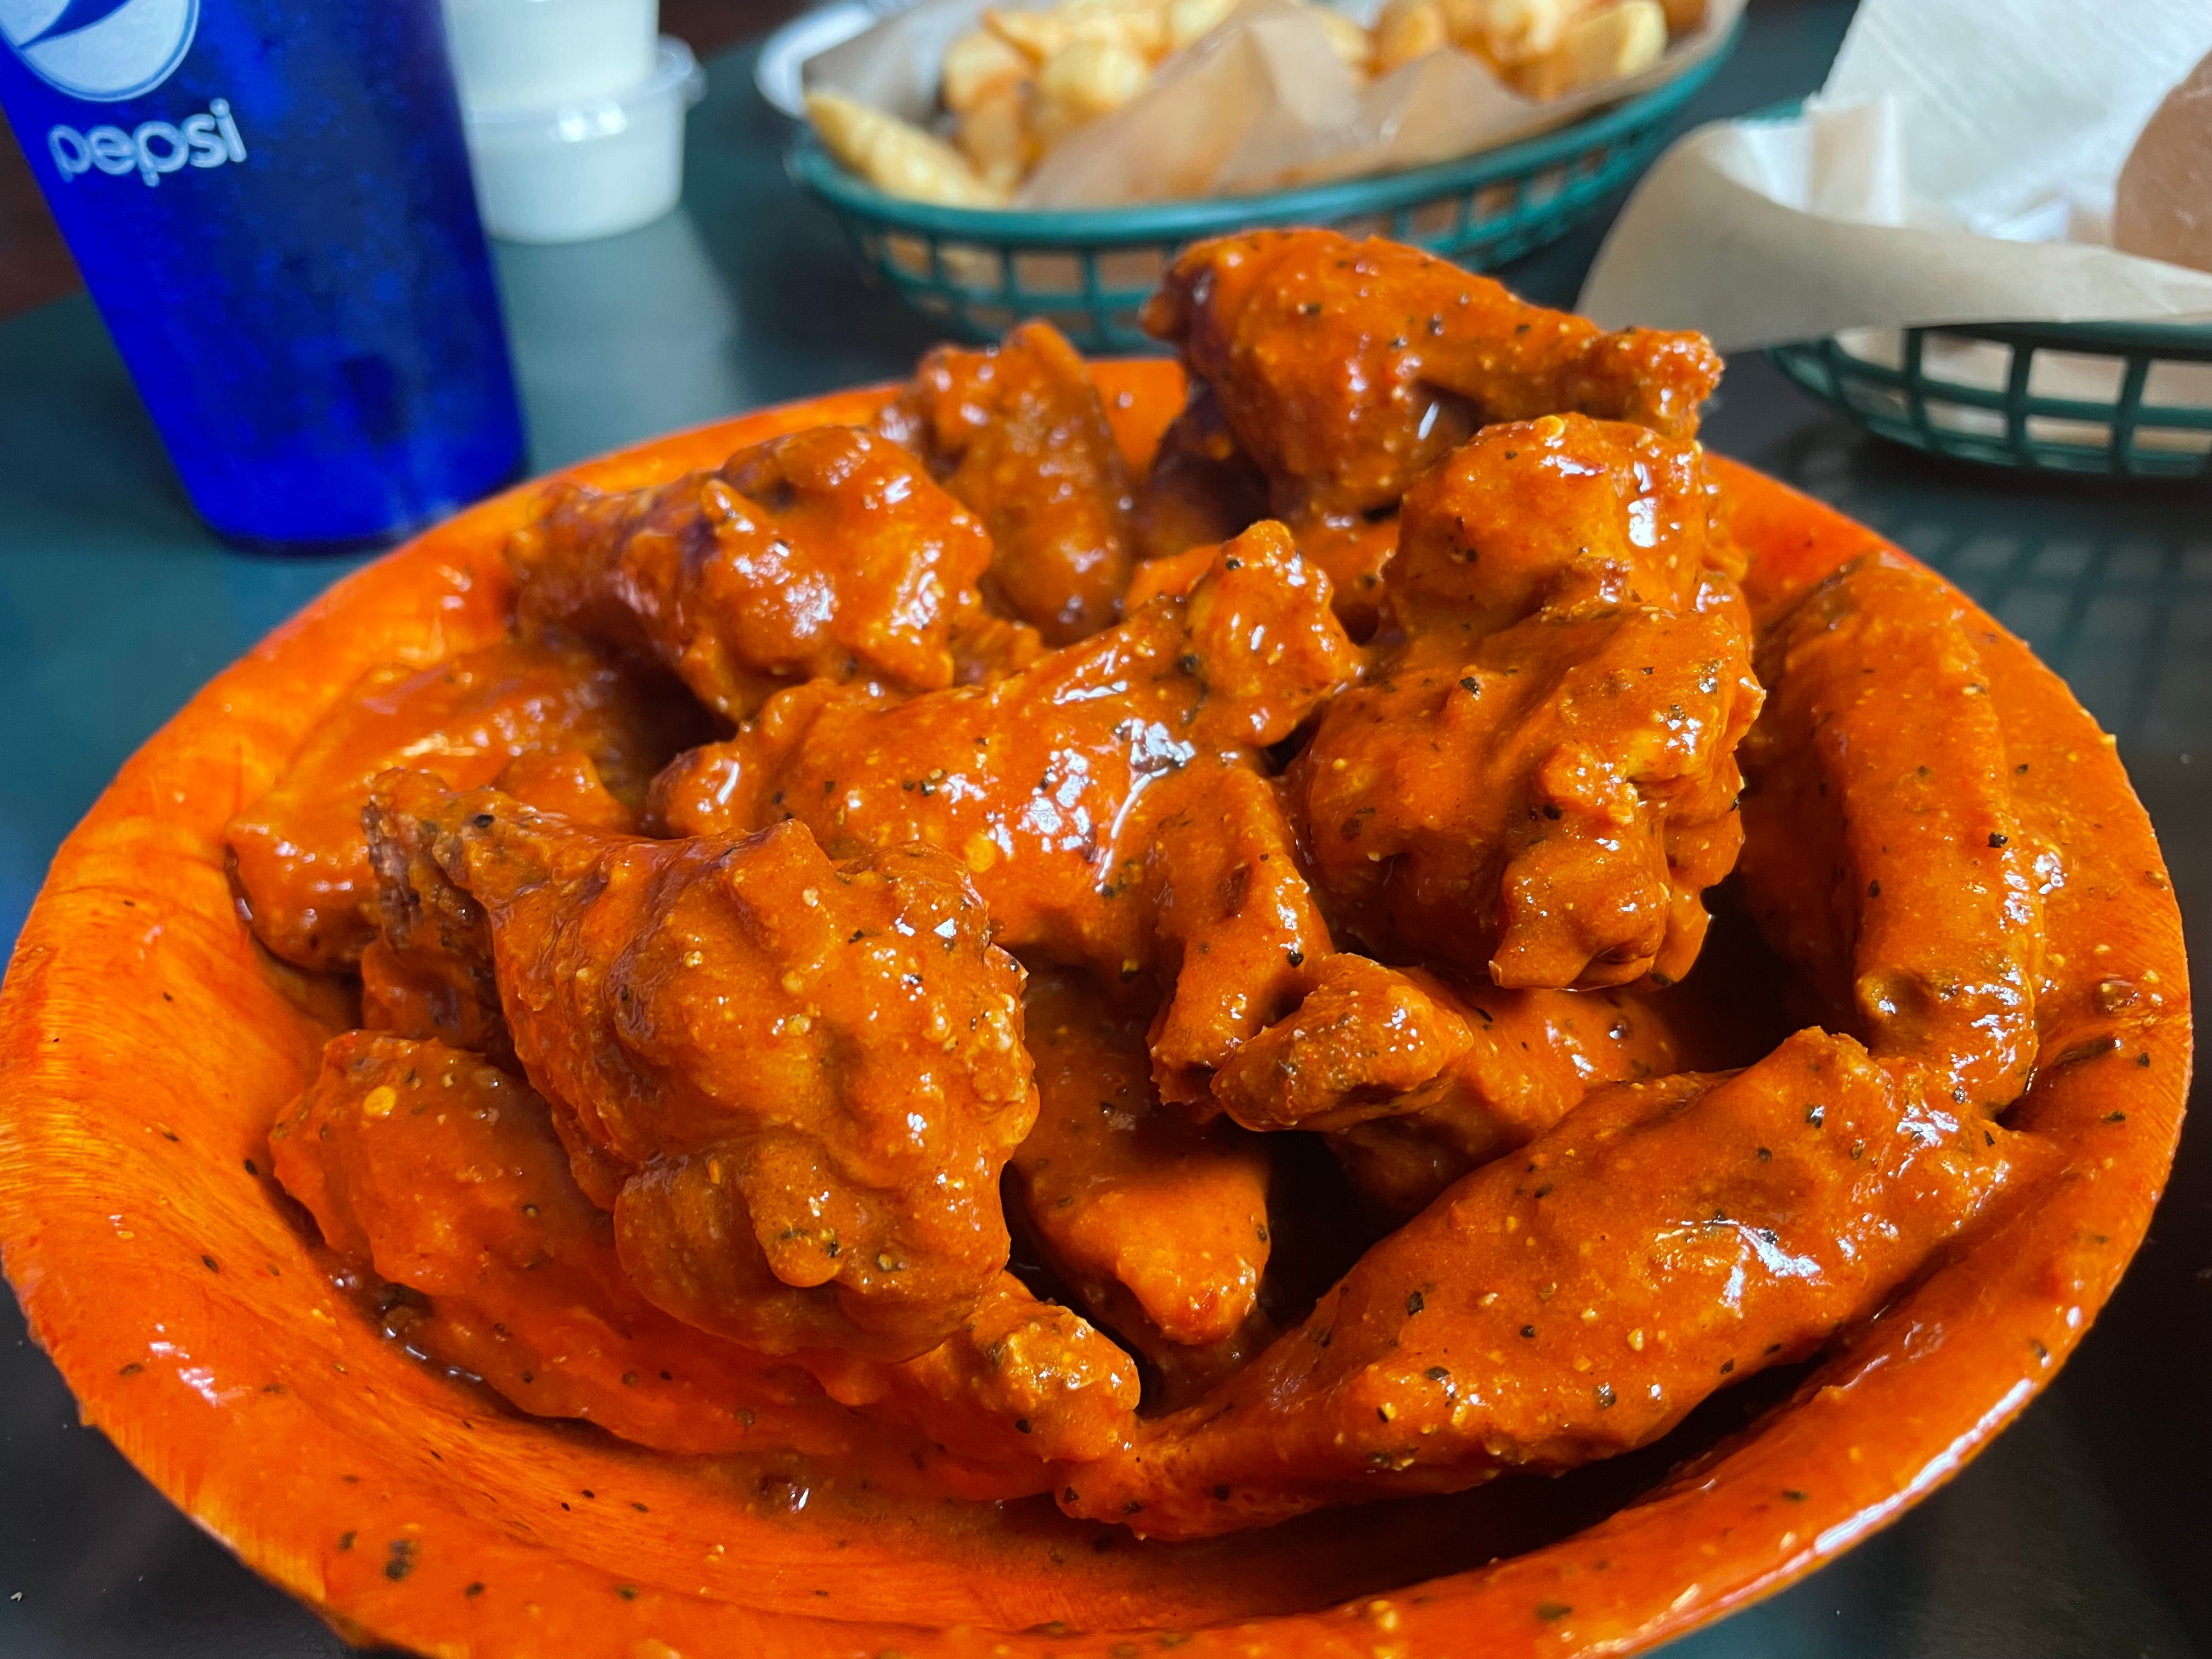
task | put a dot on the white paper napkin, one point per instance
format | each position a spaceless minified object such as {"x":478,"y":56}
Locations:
{"x":1958,"y":166}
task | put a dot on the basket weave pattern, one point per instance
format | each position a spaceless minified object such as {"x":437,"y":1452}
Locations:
{"x":975,"y":272}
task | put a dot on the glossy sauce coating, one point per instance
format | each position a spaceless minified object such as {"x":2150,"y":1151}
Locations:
{"x":1016,"y":433}
{"x":1201,"y":488}
{"x":1577,"y":1299}
{"x":1159,"y":1224}
{"x":443,"y":1174}
{"x":300,"y":859}
{"x":805,"y":1077}
{"x":1064,"y":790}
{"x":428,"y":973}
{"x":1346,"y":369}
{"x":1417,"y":1080}
{"x":827,"y":553}
{"x":1538,"y":779}
{"x":1886,"y":854}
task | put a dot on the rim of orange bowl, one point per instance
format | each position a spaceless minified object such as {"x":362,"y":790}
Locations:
{"x":1907,"y":1401}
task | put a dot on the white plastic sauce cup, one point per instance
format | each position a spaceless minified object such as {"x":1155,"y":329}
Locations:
{"x":588,"y":167}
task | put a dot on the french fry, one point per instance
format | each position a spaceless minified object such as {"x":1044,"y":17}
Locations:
{"x":1083,"y":81}
{"x":1602,"y":46}
{"x":1136,"y":26}
{"x":978,"y":65}
{"x":1406,"y":30}
{"x":1683,"y":15}
{"x":896,"y":156}
{"x":993,"y":133}
{"x":1194,"y":20}
{"x":1352,"y":43}
{"x":1510,"y":32}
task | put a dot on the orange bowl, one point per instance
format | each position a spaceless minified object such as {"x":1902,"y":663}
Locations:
{"x":147,"y":1043}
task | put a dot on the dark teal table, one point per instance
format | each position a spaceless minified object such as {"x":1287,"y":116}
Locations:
{"x":2086,"y":1532}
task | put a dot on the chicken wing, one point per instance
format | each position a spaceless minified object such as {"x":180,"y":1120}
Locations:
{"x":1539,"y":781}
{"x":1347,"y":368}
{"x":1105,"y":801}
{"x":1885,"y":855}
{"x":1577,"y":1300}
{"x":826,"y":553}
{"x":1159,"y":1224}
{"x":798,"y":1081}
{"x":299,"y":853}
{"x":1202,"y":489}
{"x":428,"y":973}
{"x":443,"y":1173}
{"x":1416,"y":1081}
{"x":1018,"y":435}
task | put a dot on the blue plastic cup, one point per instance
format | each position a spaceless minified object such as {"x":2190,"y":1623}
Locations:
{"x":270,"y":201}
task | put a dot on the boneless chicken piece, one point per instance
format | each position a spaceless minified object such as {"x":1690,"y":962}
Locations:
{"x":442,"y":1174}
{"x":1885,"y":854}
{"x":1577,"y":1299}
{"x":1347,"y":368}
{"x":1158,"y":1224}
{"x":796,"y":1081}
{"x":1416,"y":1081}
{"x":1017,"y":433}
{"x":299,"y":853}
{"x":1105,"y":801}
{"x":1539,"y":781}
{"x":824,"y":554}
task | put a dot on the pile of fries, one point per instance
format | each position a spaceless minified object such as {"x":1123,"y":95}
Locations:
{"x":1027,"y":81}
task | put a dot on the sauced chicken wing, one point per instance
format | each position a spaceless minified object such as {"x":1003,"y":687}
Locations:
{"x":1885,"y":854}
{"x":1017,"y":433}
{"x":300,"y":859}
{"x":443,"y":1172}
{"x":1540,"y":780}
{"x":1346,"y":368}
{"x":1159,"y":1224}
{"x":795,"y":1083}
{"x":827,"y":553}
{"x":402,"y":1150}
{"x":1104,"y":801}
{"x":1417,"y":1080}
{"x":1576,"y":1300}
{"x":428,"y":973}
{"x":1202,"y":489}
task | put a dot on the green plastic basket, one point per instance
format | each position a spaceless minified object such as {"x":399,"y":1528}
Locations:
{"x":2130,"y":400}
{"x":976,"y":272}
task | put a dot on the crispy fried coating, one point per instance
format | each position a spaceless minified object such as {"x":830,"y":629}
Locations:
{"x":805,"y":1078}
{"x":1018,"y":435}
{"x":824,"y":554}
{"x":1885,"y":855}
{"x":1539,"y":781}
{"x":1347,"y":368}
{"x":1140,"y":1210}
{"x":1105,"y":801}
{"x":299,"y":853}
{"x":1576,"y":1300}
{"x":443,"y":1173}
